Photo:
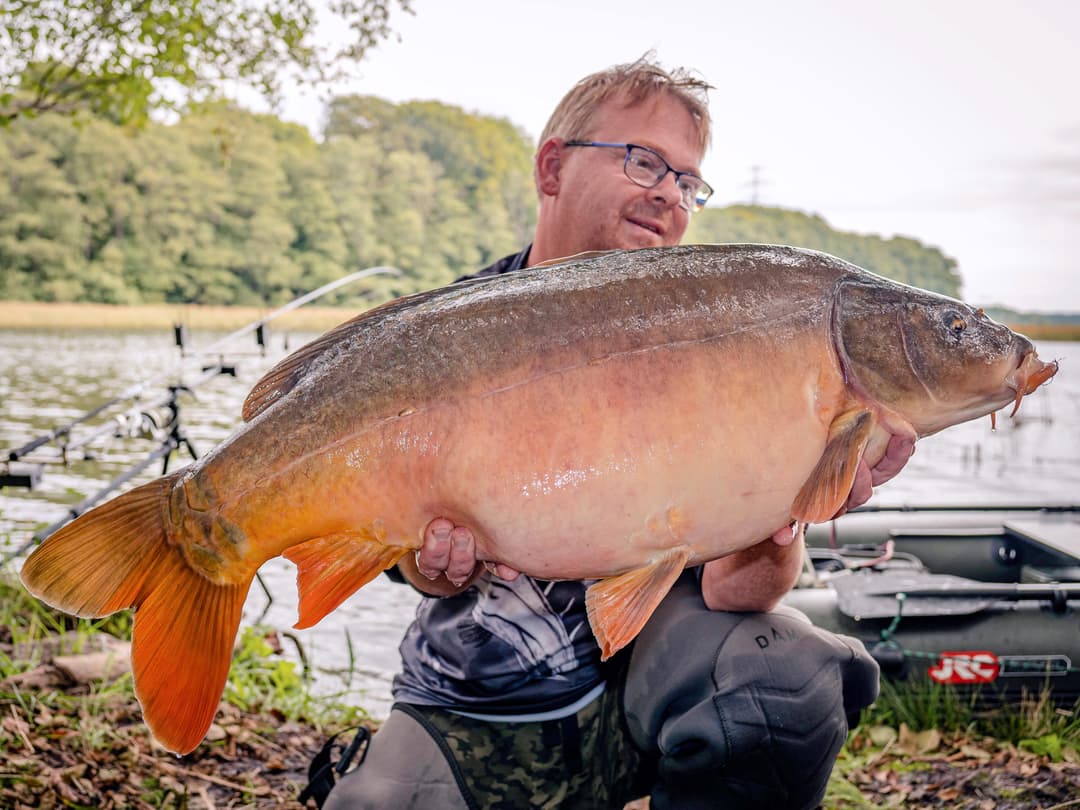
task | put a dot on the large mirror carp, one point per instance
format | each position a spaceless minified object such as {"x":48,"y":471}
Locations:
{"x":614,"y":418}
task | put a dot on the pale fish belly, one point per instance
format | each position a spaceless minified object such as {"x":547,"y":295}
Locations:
{"x":592,"y":471}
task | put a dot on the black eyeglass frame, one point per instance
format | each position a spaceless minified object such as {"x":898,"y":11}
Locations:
{"x":692,"y":201}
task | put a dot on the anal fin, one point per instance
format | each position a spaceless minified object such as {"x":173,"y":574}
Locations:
{"x":618,"y":607}
{"x":829,"y":485}
{"x":331,"y":569}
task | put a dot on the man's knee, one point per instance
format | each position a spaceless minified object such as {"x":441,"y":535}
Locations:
{"x":403,"y":768}
{"x":750,"y":707}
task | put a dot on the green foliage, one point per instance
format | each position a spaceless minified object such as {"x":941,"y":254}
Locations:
{"x":258,"y":677}
{"x":484,"y":165}
{"x":921,"y":704}
{"x":123,"y":58}
{"x":229,"y":207}
{"x":262,"y":680}
{"x":900,"y":258}
{"x":1034,"y":722}
{"x":26,"y":622}
{"x":1048,"y":745}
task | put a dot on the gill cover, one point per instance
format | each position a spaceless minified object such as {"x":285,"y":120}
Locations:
{"x":933,"y":359}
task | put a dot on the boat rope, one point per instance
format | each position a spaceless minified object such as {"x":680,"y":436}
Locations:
{"x":887,"y":633}
{"x":1034,"y":664}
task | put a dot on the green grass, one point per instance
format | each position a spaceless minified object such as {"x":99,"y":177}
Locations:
{"x":26,"y":621}
{"x":260,"y":681}
{"x":922,"y":705}
{"x":918,"y":717}
{"x":101,"y":723}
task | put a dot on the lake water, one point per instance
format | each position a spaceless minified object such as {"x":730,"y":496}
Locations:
{"x":48,"y":379}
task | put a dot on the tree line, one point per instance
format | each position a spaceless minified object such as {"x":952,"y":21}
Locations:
{"x":225,"y":206}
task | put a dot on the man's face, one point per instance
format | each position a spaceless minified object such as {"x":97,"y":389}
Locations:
{"x":598,"y":207}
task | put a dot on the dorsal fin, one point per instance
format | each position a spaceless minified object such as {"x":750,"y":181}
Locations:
{"x":283,"y":377}
{"x":577,"y":257}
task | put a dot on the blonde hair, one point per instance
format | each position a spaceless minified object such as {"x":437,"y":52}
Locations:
{"x":631,"y":84}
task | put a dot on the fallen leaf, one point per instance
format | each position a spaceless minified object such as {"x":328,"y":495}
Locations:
{"x":98,"y":666}
{"x":215,"y":733}
{"x":881,"y":736}
{"x":921,"y":742}
{"x":43,"y":676}
{"x":975,"y":752}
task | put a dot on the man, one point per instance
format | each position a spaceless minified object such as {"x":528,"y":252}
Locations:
{"x":503,"y":701}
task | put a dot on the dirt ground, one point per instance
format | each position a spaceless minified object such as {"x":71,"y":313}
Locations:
{"x":965,"y":777}
{"x":258,"y":761}
{"x":68,"y":742}
{"x":247,"y":761}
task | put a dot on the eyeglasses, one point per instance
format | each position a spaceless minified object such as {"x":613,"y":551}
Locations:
{"x":646,"y":168}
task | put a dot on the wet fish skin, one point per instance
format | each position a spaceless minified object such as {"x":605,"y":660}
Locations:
{"x":614,"y":418}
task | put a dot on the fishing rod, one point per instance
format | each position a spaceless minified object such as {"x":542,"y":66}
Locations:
{"x":258,"y":325}
{"x":171,"y":440}
{"x":136,"y":392}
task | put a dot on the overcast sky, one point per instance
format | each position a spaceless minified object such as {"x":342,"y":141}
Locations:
{"x":956,"y":122}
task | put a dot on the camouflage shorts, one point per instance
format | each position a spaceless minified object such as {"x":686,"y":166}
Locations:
{"x":735,"y":710}
{"x":582,"y":761}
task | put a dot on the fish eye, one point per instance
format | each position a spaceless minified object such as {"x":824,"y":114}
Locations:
{"x":955,"y":323}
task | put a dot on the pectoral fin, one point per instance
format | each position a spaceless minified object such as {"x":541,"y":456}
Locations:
{"x":330,"y":569}
{"x":618,"y":607}
{"x":830,"y":483}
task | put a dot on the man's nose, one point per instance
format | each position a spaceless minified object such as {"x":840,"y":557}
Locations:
{"x":667,"y":191}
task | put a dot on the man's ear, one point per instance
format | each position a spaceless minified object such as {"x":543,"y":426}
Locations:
{"x":549,"y":166}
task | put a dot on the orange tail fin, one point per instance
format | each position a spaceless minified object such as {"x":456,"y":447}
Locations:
{"x":116,"y":557}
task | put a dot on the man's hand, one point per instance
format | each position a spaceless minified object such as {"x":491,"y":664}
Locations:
{"x":449,"y":551}
{"x":446,"y":562}
{"x":897,"y":453}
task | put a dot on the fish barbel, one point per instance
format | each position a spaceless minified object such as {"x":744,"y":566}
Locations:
{"x":614,"y":418}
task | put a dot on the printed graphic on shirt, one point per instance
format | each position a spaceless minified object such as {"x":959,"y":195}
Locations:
{"x":520,"y":615}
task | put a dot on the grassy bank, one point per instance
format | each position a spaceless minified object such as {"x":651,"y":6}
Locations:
{"x":71,"y":732}
{"x":152,"y":317}
{"x":924,"y":745}
{"x":70,"y":740}
{"x":1048,"y":331}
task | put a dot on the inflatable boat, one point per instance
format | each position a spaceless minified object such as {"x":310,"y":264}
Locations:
{"x":979,"y":597}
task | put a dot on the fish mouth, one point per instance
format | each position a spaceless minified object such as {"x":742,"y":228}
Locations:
{"x":1029,"y":374}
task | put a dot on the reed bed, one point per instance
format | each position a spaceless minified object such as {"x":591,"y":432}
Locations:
{"x":150,"y":317}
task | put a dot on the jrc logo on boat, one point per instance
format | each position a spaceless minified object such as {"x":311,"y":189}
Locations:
{"x":968,"y":666}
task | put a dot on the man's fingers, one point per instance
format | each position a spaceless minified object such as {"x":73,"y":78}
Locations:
{"x":462,"y":555}
{"x":451,"y":550}
{"x":896,"y":456}
{"x":506,"y":572}
{"x":434,"y":555}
